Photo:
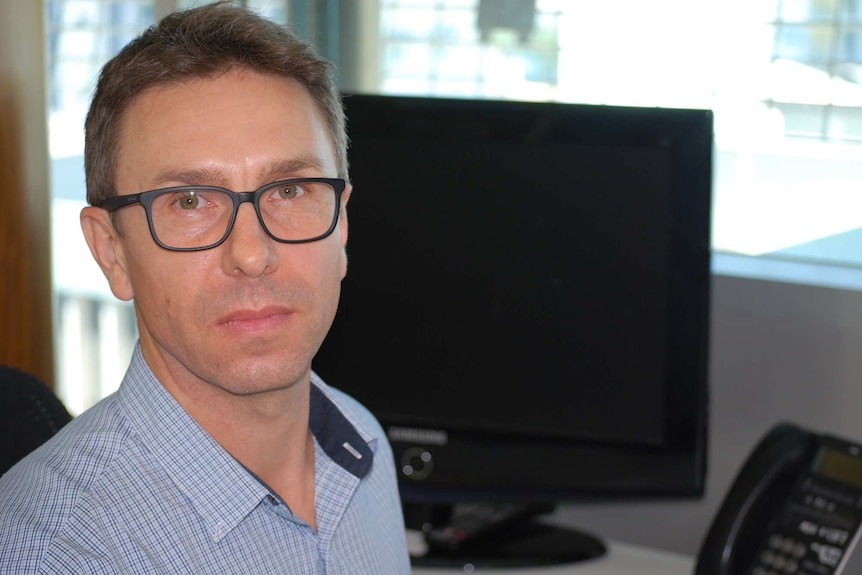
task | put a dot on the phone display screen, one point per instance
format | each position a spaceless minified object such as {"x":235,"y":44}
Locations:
{"x":840,"y":466}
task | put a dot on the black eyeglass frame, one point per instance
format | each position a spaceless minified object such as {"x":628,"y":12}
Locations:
{"x":115,"y":203}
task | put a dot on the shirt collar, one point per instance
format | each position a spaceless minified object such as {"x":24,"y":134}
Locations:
{"x":346,"y":442}
{"x":221,"y":490}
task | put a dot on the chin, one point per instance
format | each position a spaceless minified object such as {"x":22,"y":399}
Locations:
{"x":265,"y":378}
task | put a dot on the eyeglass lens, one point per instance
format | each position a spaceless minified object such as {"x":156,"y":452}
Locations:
{"x":191,"y":218}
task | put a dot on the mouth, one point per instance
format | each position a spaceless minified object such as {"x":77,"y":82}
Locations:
{"x":255,"y":321}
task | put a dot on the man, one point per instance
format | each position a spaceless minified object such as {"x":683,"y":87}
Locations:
{"x":221,"y":452}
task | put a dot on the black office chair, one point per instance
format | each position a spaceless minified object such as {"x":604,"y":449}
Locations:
{"x":30,"y":414}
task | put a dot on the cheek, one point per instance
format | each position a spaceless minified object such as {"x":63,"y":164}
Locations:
{"x":165,"y":284}
{"x":326,"y":268}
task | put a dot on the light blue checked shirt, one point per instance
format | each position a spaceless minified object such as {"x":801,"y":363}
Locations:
{"x":134,"y":485}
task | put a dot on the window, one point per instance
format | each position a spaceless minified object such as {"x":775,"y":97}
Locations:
{"x":472,"y":49}
{"x":818,"y":46}
{"x":95,"y":332}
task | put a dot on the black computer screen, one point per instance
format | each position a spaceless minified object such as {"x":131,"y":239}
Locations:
{"x":526,"y":304}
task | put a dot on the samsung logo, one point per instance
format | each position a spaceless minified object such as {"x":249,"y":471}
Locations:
{"x":414,"y":435}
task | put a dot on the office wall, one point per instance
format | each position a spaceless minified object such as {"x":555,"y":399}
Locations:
{"x":25,"y":264}
{"x":779,"y":352}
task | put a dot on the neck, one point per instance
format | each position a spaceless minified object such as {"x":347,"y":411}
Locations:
{"x":268,"y":432}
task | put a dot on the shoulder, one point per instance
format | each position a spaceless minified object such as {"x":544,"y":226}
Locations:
{"x":43,"y":491}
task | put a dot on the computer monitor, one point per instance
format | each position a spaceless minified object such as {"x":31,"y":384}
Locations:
{"x":527,"y":302}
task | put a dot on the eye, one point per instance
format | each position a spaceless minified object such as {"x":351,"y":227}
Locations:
{"x":289,"y":191}
{"x":188,"y":200}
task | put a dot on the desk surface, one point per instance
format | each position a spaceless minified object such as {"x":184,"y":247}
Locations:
{"x":621,"y":559}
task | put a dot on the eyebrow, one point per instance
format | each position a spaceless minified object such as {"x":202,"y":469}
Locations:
{"x":279,"y":170}
{"x":284,"y":169}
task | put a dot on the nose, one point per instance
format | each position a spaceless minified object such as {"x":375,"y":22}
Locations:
{"x":249,"y":250}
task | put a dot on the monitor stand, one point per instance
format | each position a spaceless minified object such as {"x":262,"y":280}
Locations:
{"x":486,"y":535}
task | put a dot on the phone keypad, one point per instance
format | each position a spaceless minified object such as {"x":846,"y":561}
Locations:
{"x":813,"y":532}
{"x":781,"y":556}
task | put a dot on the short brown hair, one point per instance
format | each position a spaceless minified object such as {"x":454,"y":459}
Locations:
{"x":199,"y":43}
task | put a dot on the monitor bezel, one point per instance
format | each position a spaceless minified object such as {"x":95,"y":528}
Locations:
{"x":607,"y":470}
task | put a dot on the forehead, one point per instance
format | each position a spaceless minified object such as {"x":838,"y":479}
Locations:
{"x":234,"y":125}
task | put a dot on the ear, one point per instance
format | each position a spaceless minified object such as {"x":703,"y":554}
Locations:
{"x":342,"y":228}
{"x":107,"y":248}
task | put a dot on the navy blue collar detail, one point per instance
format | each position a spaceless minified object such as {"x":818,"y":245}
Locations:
{"x":337,"y":436}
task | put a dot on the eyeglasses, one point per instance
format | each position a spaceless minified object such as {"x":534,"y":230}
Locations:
{"x":192,"y":218}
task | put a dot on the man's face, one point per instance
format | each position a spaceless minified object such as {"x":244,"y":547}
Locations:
{"x":248,"y":315}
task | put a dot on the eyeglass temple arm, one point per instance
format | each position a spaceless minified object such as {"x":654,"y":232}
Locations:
{"x":117,"y":202}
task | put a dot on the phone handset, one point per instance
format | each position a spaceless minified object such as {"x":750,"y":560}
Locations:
{"x":754,"y":499}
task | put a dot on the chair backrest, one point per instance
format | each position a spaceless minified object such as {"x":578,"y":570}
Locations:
{"x":30,"y":414}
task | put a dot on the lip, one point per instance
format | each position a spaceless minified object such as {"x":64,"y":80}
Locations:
{"x":255,"y":320}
